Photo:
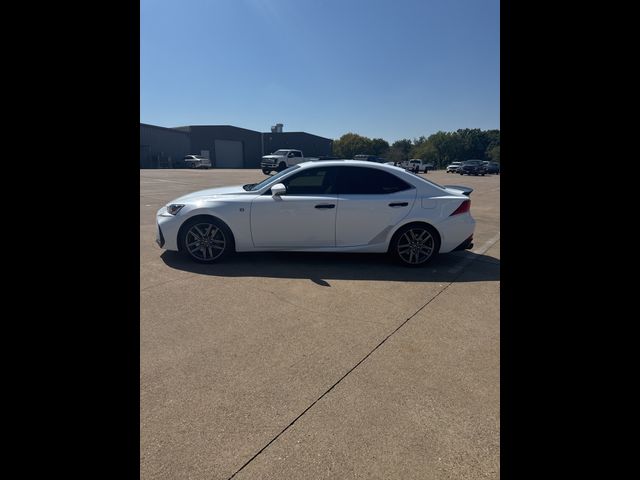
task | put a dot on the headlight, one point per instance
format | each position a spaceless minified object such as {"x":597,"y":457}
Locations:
{"x":174,"y":208}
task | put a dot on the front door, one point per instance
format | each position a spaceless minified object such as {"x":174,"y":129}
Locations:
{"x":303,"y":217}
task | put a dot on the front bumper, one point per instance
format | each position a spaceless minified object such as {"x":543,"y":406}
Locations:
{"x":159,"y":237}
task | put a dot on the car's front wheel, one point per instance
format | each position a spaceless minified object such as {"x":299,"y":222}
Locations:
{"x":414,"y":245}
{"x":265,"y":171}
{"x":206,"y":240}
{"x":282,"y":166}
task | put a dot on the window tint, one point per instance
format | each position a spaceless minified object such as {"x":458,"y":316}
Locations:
{"x":314,"y":181}
{"x":297,"y":154}
{"x":368,"y":181}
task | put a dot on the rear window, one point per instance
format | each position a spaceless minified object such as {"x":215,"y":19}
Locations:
{"x":369,"y":181}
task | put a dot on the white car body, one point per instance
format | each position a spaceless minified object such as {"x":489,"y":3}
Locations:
{"x":260,"y":221}
{"x":197,"y":161}
{"x":454,"y":167}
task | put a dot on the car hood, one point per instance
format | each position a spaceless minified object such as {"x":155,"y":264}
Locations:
{"x":213,"y":193}
{"x":273,"y":156}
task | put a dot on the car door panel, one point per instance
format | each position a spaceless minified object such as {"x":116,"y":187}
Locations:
{"x":361,"y":219}
{"x":371,"y":202}
{"x":293,"y":221}
{"x":304,"y":216}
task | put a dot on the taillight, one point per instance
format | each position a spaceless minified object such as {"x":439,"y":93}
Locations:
{"x":463,"y":208}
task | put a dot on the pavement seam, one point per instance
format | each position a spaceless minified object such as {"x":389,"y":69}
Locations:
{"x":464,"y":263}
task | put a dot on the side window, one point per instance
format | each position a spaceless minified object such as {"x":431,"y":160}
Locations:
{"x":297,"y":154}
{"x":315,"y":181}
{"x":368,"y":181}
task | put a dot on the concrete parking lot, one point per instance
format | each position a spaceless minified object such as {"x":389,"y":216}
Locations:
{"x":309,"y":366}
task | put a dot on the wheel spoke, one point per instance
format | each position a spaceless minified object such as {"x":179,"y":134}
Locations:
{"x":202,"y":244}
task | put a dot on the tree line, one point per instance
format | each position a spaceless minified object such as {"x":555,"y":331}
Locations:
{"x":441,"y":148}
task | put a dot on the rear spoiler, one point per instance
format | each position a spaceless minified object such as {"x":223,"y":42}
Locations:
{"x":464,"y":190}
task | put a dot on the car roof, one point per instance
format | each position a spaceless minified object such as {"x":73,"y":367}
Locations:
{"x":351,"y":163}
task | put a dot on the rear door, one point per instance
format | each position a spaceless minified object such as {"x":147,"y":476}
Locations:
{"x":371,"y":202}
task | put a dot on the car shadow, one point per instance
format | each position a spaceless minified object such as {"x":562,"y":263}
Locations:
{"x":321,"y":268}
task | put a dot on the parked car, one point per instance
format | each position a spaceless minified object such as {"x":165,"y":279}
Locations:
{"x":281,"y":159}
{"x":453,"y":167}
{"x":332,"y":206}
{"x":196,"y":161}
{"x":472,"y":167}
{"x":494,"y":167}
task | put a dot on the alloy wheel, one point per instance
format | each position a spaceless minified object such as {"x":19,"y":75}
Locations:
{"x":415,"y":246}
{"x":205,"y":241}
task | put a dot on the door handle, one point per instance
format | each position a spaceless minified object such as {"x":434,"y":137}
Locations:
{"x":399,"y":204}
{"x":326,"y":205}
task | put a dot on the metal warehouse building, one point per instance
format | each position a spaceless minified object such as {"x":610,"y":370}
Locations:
{"x":227,"y":146}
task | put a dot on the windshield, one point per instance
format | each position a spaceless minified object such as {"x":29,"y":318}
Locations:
{"x":254,"y":187}
{"x":280,"y":152}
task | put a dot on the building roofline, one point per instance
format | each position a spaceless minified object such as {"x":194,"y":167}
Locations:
{"x":172,"y":129}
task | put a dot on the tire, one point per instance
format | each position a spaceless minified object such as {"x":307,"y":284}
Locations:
{"x":415,"y":245}
{"x":220,"y":241}
{"x":282,"y":166}
{"x":265,"y":171}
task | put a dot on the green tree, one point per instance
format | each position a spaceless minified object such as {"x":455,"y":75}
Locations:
{"x":351,"y":144}
{"x":379,"y":147}
{"x":493,"y":154}
{"x":402,"y":147}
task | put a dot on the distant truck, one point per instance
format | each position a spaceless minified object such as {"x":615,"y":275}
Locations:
{"x":417,"y":165}
{"x":281,"y":159}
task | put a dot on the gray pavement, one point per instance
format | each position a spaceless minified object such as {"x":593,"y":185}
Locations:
{"x":276,"y":365}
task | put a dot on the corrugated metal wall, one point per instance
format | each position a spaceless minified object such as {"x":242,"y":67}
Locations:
{"x":165,"y":147}
{"x":203,"y":137}
{"x":162,"y":147}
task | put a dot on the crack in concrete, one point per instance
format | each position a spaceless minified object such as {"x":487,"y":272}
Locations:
{"x":463,"y":264}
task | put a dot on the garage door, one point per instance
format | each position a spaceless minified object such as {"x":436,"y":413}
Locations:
{"x":228,"y":154}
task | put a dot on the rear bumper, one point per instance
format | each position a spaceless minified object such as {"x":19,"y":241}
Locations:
{"x":466,"y":245}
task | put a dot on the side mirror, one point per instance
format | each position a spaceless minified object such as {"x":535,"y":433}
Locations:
{"x":278,"y":189}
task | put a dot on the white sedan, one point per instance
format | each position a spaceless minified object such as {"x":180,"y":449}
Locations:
{"x":322,"y":206}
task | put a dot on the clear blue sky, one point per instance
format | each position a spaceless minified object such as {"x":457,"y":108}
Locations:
{"x":381,"y":68}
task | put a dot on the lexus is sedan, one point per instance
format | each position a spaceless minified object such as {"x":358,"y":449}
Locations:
{"x":322,"y":206}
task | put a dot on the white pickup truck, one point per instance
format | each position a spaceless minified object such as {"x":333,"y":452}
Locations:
{"x":281,"y":159}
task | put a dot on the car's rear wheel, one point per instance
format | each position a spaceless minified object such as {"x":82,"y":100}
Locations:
{"x":414,"y":245}
{"x":206,"y":240}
